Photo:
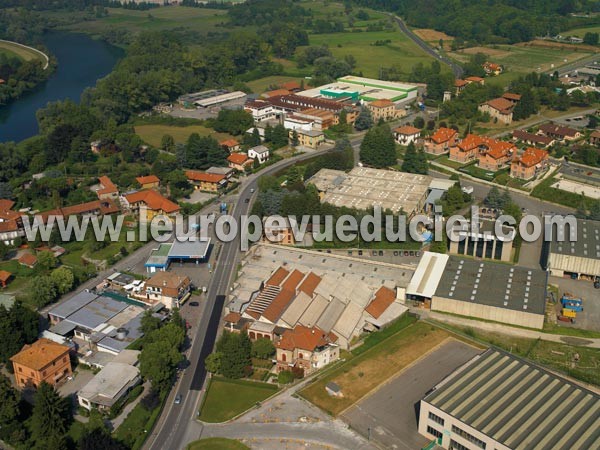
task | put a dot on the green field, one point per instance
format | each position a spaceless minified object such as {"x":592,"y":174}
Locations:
{"x":163,"y":18}
{"x":226,"y":399}
{"x":12,"y":49}
{"x":580,"y":32}
{"x":152,"y":134}
{"x":217,"y":444}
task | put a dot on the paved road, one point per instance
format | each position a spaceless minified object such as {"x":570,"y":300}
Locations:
{"x":177,"y":426}
{"x":458,"y":70}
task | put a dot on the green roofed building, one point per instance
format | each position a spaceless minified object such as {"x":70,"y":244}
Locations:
{"x":497,"y":401}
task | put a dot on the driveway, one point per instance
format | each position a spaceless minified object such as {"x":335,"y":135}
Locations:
{"x":390,"y":415}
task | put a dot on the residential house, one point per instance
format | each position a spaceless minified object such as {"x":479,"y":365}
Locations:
{"x":513,"y":98}
{"x":491,"y":68}
{"x":231,"y":145}
{"x":11,"y":223}
{"x":383,"y":109}
{"x":406,"y":134}
{"x":28,"y":260}
{"x":460,"y":85}
{"x":279,"y":232}
{"x":492,"y":154}
{"x":94,"y":208}
{"x":112,"y":383}
{"x":309,"y":138}
{"x":227,"y":172}
{"x":95,"y":147}
{"x":595,"y":138}
{"x":107,"y":190}
{"x":559,"y":132}
{"x":44,"y":360}
{"x":209,"y":182}
{"x":531,"y":139}
{"x":499,"y":109}
{"x":260,"y":152}
{"x":167,"y":288}
{"x":497,"y":156}
{"x":4,"y":278}
{"x":441,"y":141}
{"x":235,"y":323}
{"x":148,"y":182}
{"x":477,"y":80}
{"x":239,"y":161}
{"x":306,"y":348}
{"x":260,"y":110}
{"x":529,"y":164}
{"x":153,"y":203}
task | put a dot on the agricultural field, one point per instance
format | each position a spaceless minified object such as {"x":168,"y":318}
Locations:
{"x":367,"y":370}
{"x":152,"y":134}
{"x":163,"y":18}
{"x":433,"y":37}
{"x":580,"y":32}
{"x":13,"y":49}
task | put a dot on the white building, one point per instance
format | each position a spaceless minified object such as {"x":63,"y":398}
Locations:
{"x":406,"y":134}
{"x":260,"y":152}
{"x":260,"y":110}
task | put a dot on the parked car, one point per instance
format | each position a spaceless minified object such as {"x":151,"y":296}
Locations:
{"x":178,"y":399}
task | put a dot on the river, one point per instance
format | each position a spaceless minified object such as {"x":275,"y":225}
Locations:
{"x":81,"y":62}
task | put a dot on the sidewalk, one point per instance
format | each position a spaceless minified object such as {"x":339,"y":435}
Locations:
{"x":506,"y":329}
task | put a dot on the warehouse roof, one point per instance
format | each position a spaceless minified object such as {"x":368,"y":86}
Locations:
{"x":189,"y":249}
{"x":110,"y":383}
{"x":519,"y":404}
{"x":493,"y":284}
{"x":75,"y":303}
{"x":587,"y":244}
{"x":331,"y":314}
{"x":428,"y":274}
{"x":97,"y":312}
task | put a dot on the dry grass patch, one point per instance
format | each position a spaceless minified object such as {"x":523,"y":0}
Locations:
{"x":485,"y":50}
{"x":432,"y":35}
{"x":361,"y":374}
{"x":577,"y":48}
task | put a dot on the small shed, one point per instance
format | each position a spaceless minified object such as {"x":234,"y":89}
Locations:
{"x":334,"y":390}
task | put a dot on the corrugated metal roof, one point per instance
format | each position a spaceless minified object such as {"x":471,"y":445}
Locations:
{"x":519,"y":404}
{"x":75,"y":303}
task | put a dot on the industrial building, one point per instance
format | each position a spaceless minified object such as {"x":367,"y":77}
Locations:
{"x":364,"y":188}
{"x":483,"y":242}
{"x":353,"y":89}
{"x":178,"y":251}
{"x":481,"y":289}
{"x":497,"y":401}
{"x":280,"y":288}
{"x":213,"y":97}
{"x":575,"y":259}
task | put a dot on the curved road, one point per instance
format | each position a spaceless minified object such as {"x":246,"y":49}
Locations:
{"x":458,"y":70}
{"x":176,"y":426}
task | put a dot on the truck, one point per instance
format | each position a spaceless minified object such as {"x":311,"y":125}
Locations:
{"x":569,"y":313}
{"x":571,"y":302}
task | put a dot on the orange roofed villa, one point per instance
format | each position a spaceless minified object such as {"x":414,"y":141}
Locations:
{"x":531,"y":163}
{"x":154,"y":203}
{"x":501,"y":109}
{"x":491,"y":153}
{"x":44,"y":360}
{"x":441,"y":141}
{"x":307,"y":349}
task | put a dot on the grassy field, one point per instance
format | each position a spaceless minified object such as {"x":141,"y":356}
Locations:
{"x":580,"y":32}
{"x":11,"y":49}
{"x":217,"y":444}
{"x":152,"y":134}
{"x":373,"y":366}
{"x":163,"y":18}
{"x":133,"y":425}
{"x":226,"y":399}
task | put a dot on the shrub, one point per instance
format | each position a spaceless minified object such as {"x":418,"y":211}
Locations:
{"x":285,"y":377}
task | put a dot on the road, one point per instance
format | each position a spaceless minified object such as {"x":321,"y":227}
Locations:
{"x":456,"y":69}
{"x":177,"y":426}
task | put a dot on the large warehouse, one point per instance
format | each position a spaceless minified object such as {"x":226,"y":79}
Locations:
{"x":497,"y":401}
{"x":579,"y":258}
{"x":481,"y":289}
{"x":364,"y":188}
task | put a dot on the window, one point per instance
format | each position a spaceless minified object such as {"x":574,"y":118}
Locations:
{"x":283,"y":357}
{"x":434,"y":432}
{"x":456,"y":446}
{"x":20,"y":369}
{"x":436,"y":419}
{"x":300,"y":355}
{"x":65,"y":359}
{"x":469,"y":437}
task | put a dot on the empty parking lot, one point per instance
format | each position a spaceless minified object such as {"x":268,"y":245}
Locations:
{"x":391,"y":412}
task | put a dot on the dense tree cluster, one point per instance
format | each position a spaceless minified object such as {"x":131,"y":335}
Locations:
{"x":437,"y":81}
{"x":378,"y":148}
{"x":415,"y":161}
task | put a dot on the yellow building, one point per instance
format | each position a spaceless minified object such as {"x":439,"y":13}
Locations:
{"x":309,"y":138}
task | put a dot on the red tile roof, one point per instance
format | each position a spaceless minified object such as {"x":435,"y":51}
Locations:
{"x":532,"y":156}
{"x":7,"y":226}
{"x":229,"y":143}
{"x":474,"y":79}
{"x":4,"y":276}
{"x":442,"y":135}
{"x":384,"y":297}
{"x":108,"y":187}
{"x":40,"y":354}
{"x":288,"y":292}
{"x":27,"y":259}
{"x":501,"y":104}
{"x":309,"y":284}
{"x":6,"y":204}
{"x":305,"y":338}
{"x":148,"y":179}
{"x":277,"y":277}
{"x":460,"y":83}
{"x":530,"y":137}
{"x":407,"y":130}
{"x":195,"y":175}
{"x":238,"y":158}
{"x":153,"y":200}
{"x":595,"y":134}
{"x":97,"y":206}
{"x":232,"y":317}
{"x":168,"y":282}
{"x":496,"y":149}
{"x":511,"y":96}
{"x":557,"y":130}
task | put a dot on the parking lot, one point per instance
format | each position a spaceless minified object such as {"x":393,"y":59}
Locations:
{"x":589,"y":318}
{"x":389,"y":416}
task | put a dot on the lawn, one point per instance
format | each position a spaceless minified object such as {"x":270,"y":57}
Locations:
{"x":133,"y":426}
{"x":361,"y":374}
{"x":401,"y":51}
{"x":152,"y":134}
{"x":217,"y":444}
{"x":580,"y":32}
{"x":477,"y":172}
{"x":226,"y":399}
{"x":21,"y":275}
{"x":444,"y":160}
{"x":12,"y":49}
{"x":163,"y":18}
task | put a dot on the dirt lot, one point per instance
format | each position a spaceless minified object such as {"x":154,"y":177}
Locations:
{"x":363,"y":373}
{"x":391,"y":413}
{"x":432,"y":35}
